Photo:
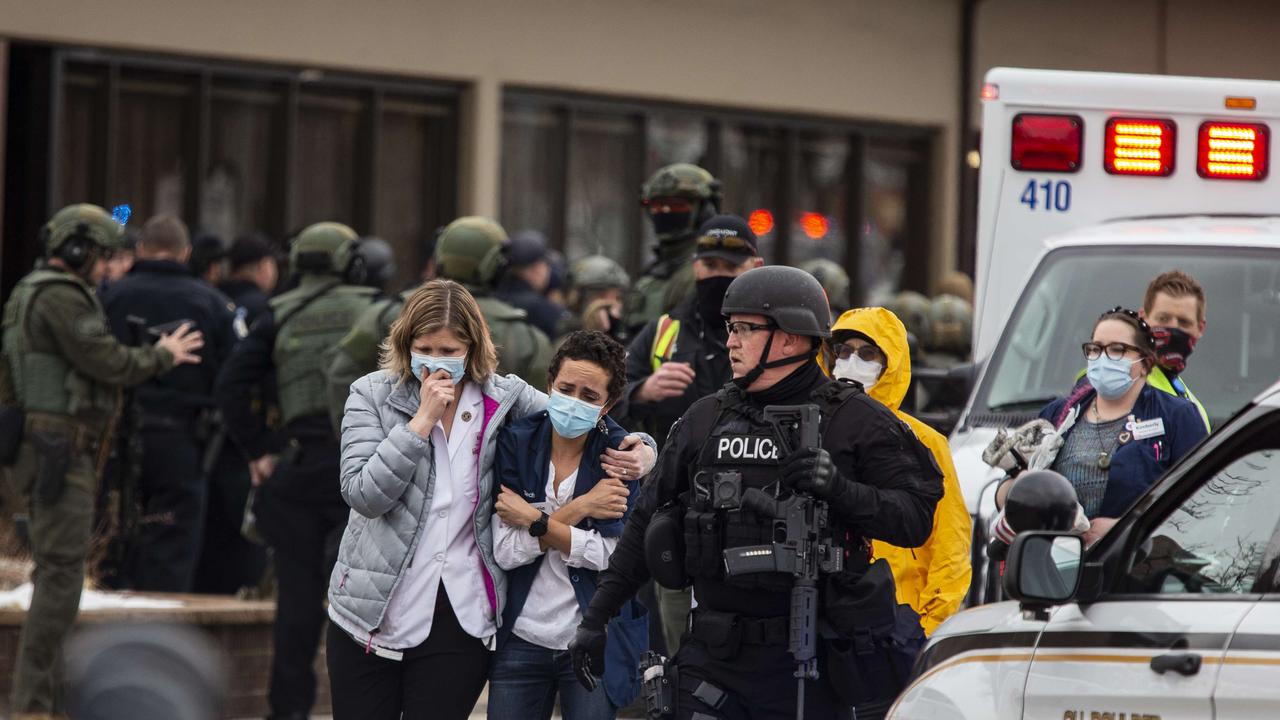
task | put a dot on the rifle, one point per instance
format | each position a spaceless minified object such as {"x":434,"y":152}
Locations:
{"x":805,"y":550}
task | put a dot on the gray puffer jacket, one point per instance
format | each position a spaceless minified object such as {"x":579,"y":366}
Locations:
{"x":388,"y":476}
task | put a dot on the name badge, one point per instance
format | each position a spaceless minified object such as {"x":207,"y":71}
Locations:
{"x":746,"y":449}
{"x":1146,"y":429}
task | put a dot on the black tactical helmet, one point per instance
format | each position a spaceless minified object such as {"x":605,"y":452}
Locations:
{"x":1041,"y":500}
{"x":379,"y":260}
{"x":792,"y":298}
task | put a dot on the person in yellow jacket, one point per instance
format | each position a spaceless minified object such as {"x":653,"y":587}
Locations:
{"x":870,"y":347}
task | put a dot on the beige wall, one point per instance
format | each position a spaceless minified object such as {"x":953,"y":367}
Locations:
{"x":866,"y":59}
{"x":1214,"y":39}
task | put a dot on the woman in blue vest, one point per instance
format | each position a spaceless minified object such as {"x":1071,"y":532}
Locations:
{"x":558,"y":517}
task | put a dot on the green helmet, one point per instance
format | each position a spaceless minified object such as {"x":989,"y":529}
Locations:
{"x":912,"y":309}
{"x":471,"y":250}
{"x":833,"y":279}
{"x":951,"y":319}
{"x":682,"y":180}
{"x":597,"y":272}
{"x":326,"y":248}
{"x":82,"y":220}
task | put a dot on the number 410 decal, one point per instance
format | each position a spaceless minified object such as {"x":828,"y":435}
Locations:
{"x":1052,"y":196}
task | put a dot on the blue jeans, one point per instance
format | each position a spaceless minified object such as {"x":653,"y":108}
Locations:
{"x":524,"y":680}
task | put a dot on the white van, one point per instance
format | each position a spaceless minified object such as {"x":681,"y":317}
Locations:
{"x":1091,"y":185}
{"x":1172,"y":615}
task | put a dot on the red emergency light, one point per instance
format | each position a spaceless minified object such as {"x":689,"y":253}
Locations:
{"x":760,"y":221}
{"x":814,"y":225}
{"x":1046,"y":143}
{"x":1233,"y":151}
{"x":1139,"y":146}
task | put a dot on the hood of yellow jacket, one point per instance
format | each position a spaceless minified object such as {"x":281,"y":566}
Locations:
{"x":883,"y":328}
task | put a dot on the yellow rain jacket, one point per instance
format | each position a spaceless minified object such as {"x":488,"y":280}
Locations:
{"x":934,"y":578}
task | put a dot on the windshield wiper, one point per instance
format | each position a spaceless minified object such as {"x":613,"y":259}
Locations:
{"x":1024,"y":404}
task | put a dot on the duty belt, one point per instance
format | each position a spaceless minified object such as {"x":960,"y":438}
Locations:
{"x":749,"y":630}
{"x":84,"y":440}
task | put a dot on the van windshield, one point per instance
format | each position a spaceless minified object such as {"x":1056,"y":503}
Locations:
{"x":1039,"y":356}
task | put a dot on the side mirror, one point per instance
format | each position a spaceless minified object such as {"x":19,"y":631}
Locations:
{"x":1043,"y":569}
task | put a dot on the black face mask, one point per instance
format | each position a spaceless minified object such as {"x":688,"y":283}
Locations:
{"x":672,"y":223}
{"x":710,"y":298}
{"x":1173,"y":346}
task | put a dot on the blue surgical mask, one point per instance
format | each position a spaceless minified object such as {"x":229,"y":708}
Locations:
{"x":1110,"y":377}
{"x":572,"y":417}
{"x":455,"y":366}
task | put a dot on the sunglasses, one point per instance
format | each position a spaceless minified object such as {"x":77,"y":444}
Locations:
{"x":869,"y":353}
{"x":727,"y":242}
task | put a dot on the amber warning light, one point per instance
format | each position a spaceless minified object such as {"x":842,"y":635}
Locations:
{"x":1139,"y":146}
{"x":1233,"y":151}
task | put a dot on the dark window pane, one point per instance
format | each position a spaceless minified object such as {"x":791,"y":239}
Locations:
{"x":602,"y":188}
{"x":882,"y":254}
{"x":751,"y":162}
{"x":326,"y":165}
{"x":155,"y":148}
{"x":531,"y":162}
{"x":409,"y":208}
{"x":243,"y":181}
{"x":81,"y":151}
{"x":818,"y":218}
{"x":672,"y":138}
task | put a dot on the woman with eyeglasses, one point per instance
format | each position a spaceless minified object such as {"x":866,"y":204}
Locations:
{"x":1119,"y":433}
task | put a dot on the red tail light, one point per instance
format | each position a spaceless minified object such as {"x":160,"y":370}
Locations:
{"x":1047,"y":143}
{"x":1139,"y":146}
{"x":1233,"y":151}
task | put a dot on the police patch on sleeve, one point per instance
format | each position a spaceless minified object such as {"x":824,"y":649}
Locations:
{"x":747,"y":449}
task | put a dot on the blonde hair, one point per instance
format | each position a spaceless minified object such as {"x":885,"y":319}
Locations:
{"x":438,"y":305}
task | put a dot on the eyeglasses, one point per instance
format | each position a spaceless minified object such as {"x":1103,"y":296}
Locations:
{"x":742,"y":327}
{"x":1115,"y":350}
{"x":728,"y":242}
{"x":869,"y":353}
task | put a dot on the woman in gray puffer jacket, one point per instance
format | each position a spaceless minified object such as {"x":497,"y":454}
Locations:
{"x":416,"y":596}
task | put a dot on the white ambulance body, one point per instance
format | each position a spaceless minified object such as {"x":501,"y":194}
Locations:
{"x":1091,"y":185}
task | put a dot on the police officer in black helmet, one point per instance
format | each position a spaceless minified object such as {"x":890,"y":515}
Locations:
{"x":876,"y":478}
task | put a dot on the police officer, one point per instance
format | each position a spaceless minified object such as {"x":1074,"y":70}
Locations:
{"x":253,"y":273}
{"x":379,"y":262}
{"x":67,"y":371}
{"x":679,"y":198}
{"x":950,"y":331}
{"x":526,"y":280}
{"x":300,"y":512}
{"x":472,"y":251}
{"x":171,"y":415}
{"x":875,"y":477}
{"x":682,"y":356}
{"x":597,"y":293}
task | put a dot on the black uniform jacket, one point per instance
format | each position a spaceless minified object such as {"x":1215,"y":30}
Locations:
{"x":248,"y":295}
{"x":156,"y":292}
{"x":698,"y":344}
{"x":895,"y":487}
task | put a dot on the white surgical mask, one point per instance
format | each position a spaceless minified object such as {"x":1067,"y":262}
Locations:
{"x":863,"y":372}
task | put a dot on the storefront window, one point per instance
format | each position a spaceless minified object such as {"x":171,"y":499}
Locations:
{"x":409,"y":202}
{"x":750,"y":176}
{"x":603,"y":188}
{"x":532,"y":160}
{"x":154,"y":153}
{"x":881,"y":259}
{"x":241,"y":184}
{"x":819,"y":210}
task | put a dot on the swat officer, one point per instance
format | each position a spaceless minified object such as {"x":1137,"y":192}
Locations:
{"x":678,"y":198}
{"x":67,"y":371}
{"x":170,"y":415}
{"x":472,"y":251}
{"x":834,"y":280}
{"x":300,"y":512}
{"x":875,"y":477}
{"x":597,"y":292}
{"x":253,"y":275}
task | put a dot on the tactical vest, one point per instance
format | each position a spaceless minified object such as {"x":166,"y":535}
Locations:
{"x":662,"y":286}
{"x":45,"y":381}
{"x":312,"y":326}
{"x":742,"y":449}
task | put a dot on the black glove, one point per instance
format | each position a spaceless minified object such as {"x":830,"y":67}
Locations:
{"x":587,"y":650}
{"x":811,"y":470}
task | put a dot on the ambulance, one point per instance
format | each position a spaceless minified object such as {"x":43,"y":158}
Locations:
{"x":1091,"y":184}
